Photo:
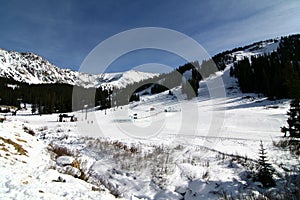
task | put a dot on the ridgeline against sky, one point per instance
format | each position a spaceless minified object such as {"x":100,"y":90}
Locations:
{"x":64,"y":32}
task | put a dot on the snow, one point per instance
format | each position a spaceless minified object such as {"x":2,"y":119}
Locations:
{"x":30,"y":176}
{"x":260,"y":49}
{"x":65,"y":160}
{"x":176,"y":155}
{"x":120,"y":80}
{"x":163,"y":147}
{"x":33,"y":69}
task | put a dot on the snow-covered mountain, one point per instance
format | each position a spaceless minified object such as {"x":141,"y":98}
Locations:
{"x":179,"y":161}
{"x":33,"y":69}
{"x":255,"y":49}
{"x":171,"y":149}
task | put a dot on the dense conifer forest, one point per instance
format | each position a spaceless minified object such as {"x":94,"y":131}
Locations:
{"x":276,"y":75}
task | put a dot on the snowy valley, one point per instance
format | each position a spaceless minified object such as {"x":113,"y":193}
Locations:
{"x":161,"y":147}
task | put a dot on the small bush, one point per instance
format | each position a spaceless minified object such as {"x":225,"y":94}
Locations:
{"x":76,"y":164}
{"x":97,"y":189}
{"x":281,"y":143}
{"x":293,"y":145}
{"x":60,"y":151}
{"x":29,"y":131}
{"x":205,"y":175}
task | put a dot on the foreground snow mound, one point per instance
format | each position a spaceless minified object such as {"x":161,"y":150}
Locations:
{"x":25,"y":170}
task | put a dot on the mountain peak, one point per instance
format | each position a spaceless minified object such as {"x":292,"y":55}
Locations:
{"x":33,"y":69}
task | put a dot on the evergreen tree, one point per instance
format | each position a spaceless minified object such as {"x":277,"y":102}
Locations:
{"x":276,"y":75}
{"x":33,"y":108}
{"x":40,"y":109}
{"x":134,"y":97}
{"x":265,"y":170}
{"x":291,"y":80}
{"x":294,"y":120}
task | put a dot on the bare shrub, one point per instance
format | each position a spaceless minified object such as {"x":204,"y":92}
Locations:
{"x":281,"y":143}
{"x":97,"y":189}
{"x":76,"y":164}
{"x":60,"y":151}
{"x":99,"y":180}
{"x":205,"y":175}
{"x":29,"y":131}
{"x":293,"y":145}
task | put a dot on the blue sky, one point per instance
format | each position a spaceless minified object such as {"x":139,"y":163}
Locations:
{"x":65,"y":31}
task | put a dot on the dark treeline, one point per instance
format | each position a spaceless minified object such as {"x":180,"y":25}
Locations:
{"x":276,"y":75}
{"x":45,"y":98}
{"x":51,"y":98}
{"x":165,"y":82}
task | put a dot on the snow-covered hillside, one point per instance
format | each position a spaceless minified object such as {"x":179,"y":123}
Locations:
{"x":28,"y":172}
{"x":265,"y":47}
{"x":162,"y":147}
{"x":153,"y":150}
{"x":33,"y":69}
{"x":255,"y":49}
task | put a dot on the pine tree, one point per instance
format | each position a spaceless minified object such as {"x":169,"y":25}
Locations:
{"x":134,"y":97}
{"x":265,"y":170}
{"x":33,"y":108}
{"x":293,"y":120}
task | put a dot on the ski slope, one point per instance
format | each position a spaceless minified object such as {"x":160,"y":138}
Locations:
{"x":163,"y":147}
{"x":167,"y":119}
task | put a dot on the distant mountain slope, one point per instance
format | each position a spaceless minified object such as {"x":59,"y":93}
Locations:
{"x":256,"y":49}
{"x":271,"y":68}
{"x":265,"y":47}
{"x":33,"y":69}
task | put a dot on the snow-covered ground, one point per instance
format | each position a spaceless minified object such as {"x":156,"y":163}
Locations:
{"x":163,"y":147}
{"x":28,"y":172}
